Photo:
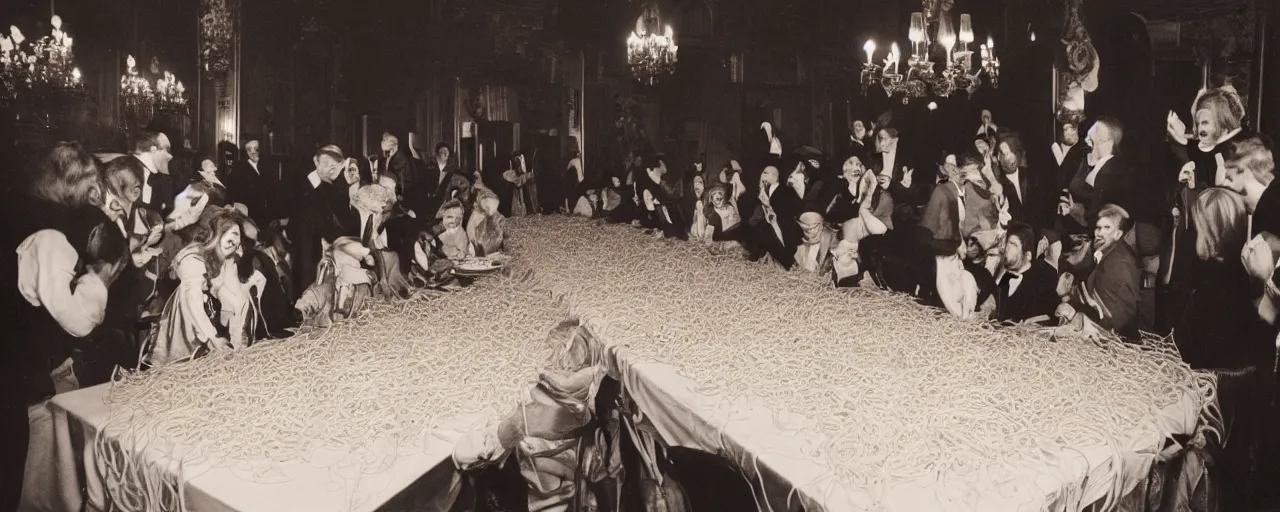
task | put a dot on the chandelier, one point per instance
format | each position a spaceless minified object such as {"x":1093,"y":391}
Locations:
{"x":142,"y":100}
{"x":37,"y":67}
{"x":922,"y":76}
{"x":651,"y":54}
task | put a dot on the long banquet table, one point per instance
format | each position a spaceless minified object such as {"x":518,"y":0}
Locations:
{"x":427,"y":480}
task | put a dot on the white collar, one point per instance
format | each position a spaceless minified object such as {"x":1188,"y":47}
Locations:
{"x":1100,"y":163}
{"x":314,"y":178}
{"x":1226,"y":137}
{"x":147,"y":165}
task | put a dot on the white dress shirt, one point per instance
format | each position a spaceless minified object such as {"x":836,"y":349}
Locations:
{"x":1060,"y":151}
{"x":314,"y":179}
{"x":147,"y":171}
{"x":890,"y":158}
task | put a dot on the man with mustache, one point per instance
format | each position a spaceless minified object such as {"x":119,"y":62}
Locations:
{"x":1109,"y":296}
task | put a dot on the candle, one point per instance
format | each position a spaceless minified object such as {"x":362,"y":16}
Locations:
{"x":870,"y":48}
{"x":985,"y":54}
{"x":75,"y":75}
{"x":991,"y":45}
{"x":966,"y":29}
{"x":894,"y":55}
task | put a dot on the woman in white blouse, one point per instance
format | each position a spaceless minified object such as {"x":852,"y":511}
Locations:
{"x":58,"y":274}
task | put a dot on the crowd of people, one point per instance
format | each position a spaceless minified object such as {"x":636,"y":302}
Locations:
{"x":120,"y":263}
{"x":979,"y":232}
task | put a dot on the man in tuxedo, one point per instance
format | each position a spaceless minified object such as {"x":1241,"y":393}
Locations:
{"x":1021,"y":188}
{"x":1109,"y":296}
{"x":1106,"y":180}
{"x":400,"y":165}
{"x":1027,"y":287}
{"x":1069,"y":155}
{"x":153,"y":150}
{"x":896,"y":173}
{"x":254,"y":184}
{"x":323,"y":214}
{"x":773,"y":223}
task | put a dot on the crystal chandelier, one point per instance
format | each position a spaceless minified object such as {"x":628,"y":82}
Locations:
{"x":922,"y":76}
{"x":136,"y":96}
{"x":28,"y":67}
{"x":650,"y":53}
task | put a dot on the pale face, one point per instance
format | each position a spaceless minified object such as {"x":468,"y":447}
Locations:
{"x":697,"y":166}
{"x":971,"y":174}
{"x":982,"y":146}
{"x":1207,"y":127}
{"x":594,"y":197}
{"x":859,"y":130}
{"x":208,"y":167}
{"x":1015,"y":256}
{"x":251,"y":150}
{"x":229,"y":242}
{"x":389,"y":146}
{"x":452,"y":218}
{"x":796,"y":178}
{"x":1105,"y":233}
{"x":853,"y":169}
{"x":161,"y":155}
{"x":811,"y":226}
{"x":698,"y":186}
{"x":329,"y":169}
{"x":1100,"y":140}
{"x":115,"y":207}
{"x":442,"y":154}
{"x":769,"y":176}
{"x":1070,"y":135}
{"x":1235,"y":179}
{"x":717,"y":198}
{"x":884,"y":142}
{"x":1007,"y":158}
{"x":351,"y":172}
{"x":986,"y":117}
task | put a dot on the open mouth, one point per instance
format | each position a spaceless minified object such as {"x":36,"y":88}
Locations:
{"x":1204,"y":135}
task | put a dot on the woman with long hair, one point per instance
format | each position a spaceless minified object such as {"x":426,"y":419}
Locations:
{"x":207,"y":269}
{"x":62,"y":252}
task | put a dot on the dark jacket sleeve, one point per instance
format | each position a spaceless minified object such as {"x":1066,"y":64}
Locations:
{"x":1117,"y":289}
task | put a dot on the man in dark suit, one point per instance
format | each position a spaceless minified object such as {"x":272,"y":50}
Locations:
{"x":153,"y":150}
{"x":1023,"y":189}
{"x":1109,"y":296}
{"x":1069,"y":155}
{"x":399,"y":164}
{"x":1107,"y":180}
{"x":1027,"y":288}
{"x":896,"y":172}
{"x":254,"y":184}
{"x":322,"y":214}
{"x":773,"y":223}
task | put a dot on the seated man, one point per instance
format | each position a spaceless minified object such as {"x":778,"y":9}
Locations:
{"x":1026,"y":290}
{"x":1109,"y":296}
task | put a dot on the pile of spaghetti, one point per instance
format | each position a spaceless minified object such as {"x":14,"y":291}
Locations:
{"x":900,"y":392}
{"x":362,"y":391}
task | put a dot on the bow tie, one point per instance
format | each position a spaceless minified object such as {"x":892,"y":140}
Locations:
{"x":1013,"y":276}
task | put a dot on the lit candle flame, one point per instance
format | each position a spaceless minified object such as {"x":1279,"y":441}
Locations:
{"x":75,"y":75}
{"x":870,"y":48}
{"x":57,"y":22}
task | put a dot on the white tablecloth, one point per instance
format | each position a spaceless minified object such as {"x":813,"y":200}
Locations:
{"x":426,"y":478}
{"x":746,"y":433}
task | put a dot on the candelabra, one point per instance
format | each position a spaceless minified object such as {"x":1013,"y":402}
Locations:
{"x":922,"y":76}
{"x":651,"y":54}
{"x":37,"y":68}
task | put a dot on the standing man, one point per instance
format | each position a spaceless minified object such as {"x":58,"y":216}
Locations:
{"x":1106,"y":180}
{"x":323,"y":213}
{"x":1250,"y":172}
{"x":1069,"y":155}
{"x":153,"y":150}
{"x":254,"y":184}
